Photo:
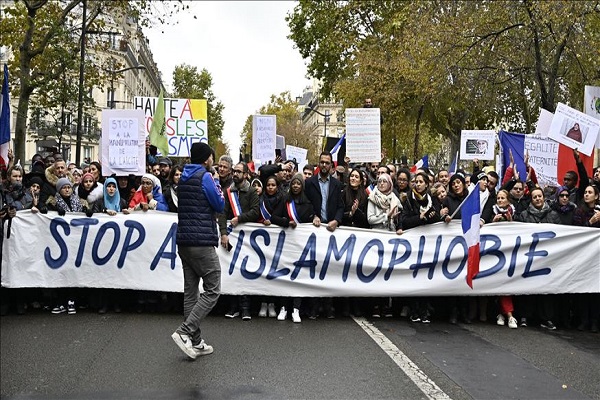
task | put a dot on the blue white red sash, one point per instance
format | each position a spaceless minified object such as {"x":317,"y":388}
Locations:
{"x":291,"y":210}
{"x":264,"y":212}
{"x":234,"y":201}
{"x":236,"y":207}
{"x":370,"y":189}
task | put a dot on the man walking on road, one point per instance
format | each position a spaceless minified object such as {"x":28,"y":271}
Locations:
{"x":200,"y":199}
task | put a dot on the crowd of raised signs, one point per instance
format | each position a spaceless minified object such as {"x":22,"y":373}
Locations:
{"x":373,"y":195}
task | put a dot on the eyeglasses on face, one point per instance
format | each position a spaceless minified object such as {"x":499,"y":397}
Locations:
{"x":563,"y":195}
{"x":518,"y":189}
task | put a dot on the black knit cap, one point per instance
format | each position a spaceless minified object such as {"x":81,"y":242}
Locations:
{"x":200,"y":152}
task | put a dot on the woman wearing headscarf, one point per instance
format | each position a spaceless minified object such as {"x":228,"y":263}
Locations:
{"x":148,"y":196}
{"x":382,"y":211}
{"x":563,"y":206}
{"x":90,"y":191}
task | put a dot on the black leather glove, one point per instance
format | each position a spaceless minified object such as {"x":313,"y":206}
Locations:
{"x":88,"y":212}
{"x":61,"y":212}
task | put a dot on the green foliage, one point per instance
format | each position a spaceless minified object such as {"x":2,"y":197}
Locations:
{"x":288,"y":125}
{"x":44,"y":37}
{"x":191,"y":84}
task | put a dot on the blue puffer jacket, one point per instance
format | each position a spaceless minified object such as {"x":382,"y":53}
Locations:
{"x":200,"y":199}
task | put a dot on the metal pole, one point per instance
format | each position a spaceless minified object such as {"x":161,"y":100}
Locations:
{"x":112,"y":91}
{"x":80,"y":96}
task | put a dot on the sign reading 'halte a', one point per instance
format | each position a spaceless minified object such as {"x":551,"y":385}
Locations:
{"x":186,"y":121}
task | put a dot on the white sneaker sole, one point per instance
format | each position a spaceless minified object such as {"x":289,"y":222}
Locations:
{"x":189,"y":351}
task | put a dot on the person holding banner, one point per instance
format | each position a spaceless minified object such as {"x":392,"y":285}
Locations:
{"x":325,"y":193}
{"x":588,"y":214}
{"x":200,"y":199}
{"x":382,"y":211}
{"x":563,"y":206}
{"x":148,"y":196}
{"x":269,"y":200}
{"x":241,"y":205}
{"x":294,"y":209}
{"x":457,"y":193}
{"x":538,"y":212}
{"x":419,"y":208}
{"x":90,"y":191}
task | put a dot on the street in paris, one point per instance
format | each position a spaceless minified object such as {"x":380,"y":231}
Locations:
{"x":132,"y":356}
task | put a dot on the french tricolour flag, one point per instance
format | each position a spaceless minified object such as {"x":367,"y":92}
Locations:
{"x":471,"y":213}
{"x":422,"y":163}
{"x":550,"y":159}
{"x":4,"y":120}
{"x":336,"y":149}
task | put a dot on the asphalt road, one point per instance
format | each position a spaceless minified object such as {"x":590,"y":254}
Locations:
{"x":129,"y":356}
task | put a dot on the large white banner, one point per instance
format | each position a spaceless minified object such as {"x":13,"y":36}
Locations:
{"x":363,"y":134}
{"x":123,"y":142}
{"x":138,"y":251}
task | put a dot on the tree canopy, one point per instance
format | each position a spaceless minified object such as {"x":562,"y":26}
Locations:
{"x":437,"y":67}
{"x":45,"y":38}
{"x":190,"y":84}
{"x":288,"y":125}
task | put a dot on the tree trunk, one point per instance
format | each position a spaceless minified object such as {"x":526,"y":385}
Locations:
{"x":416,"y":155}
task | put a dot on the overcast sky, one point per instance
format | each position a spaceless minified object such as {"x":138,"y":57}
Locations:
{"x":243,"y":45}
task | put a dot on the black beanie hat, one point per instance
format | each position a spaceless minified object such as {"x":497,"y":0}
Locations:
{"x":458,"y":175}
{"x":200,"y":153}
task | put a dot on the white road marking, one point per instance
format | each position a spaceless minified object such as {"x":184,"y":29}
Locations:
{"x":423,"y":382}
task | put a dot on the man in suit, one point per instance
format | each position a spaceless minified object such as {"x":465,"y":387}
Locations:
{"x":325,"y":193}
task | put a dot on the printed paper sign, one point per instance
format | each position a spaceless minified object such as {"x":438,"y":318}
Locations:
{"x":363,"y":134}
{"x":574,"y":129}
{"x":477,"y":145}
{"x":123,"y":142}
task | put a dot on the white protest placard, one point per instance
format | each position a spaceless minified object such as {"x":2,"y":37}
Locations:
{"x":363,"y":134}
{"x":186,"y":121}
{"x":297,"y":153}
{"x":591,"y":105}
{"x":477,"y":144}
{"x":574,"y":129}
{"x":264,"y":137}
{"x":544,"y":121}
{"x":123,"y":148}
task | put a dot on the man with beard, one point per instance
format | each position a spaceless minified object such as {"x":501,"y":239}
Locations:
{"x":241,"y":205}
{"x":325,"y":193}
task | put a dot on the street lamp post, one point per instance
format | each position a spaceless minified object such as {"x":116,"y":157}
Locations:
{"x":325,"y":116}
{"x":113,"y":73}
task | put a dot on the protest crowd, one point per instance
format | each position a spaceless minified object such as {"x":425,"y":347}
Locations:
{"x":374,"y":195}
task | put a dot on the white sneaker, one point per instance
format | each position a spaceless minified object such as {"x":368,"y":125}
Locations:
{"x":203,"y":349}
{"x":282,"y":314}
{"x":271,"y":309}
{"x":263,"y":310}
{"x":296,"y":316}
{"x":500,"y":320}
{"x":512,"y":323}
{"x":184,"y":342}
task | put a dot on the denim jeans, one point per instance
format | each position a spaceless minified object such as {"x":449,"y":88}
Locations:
{"x":199,"y":263}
